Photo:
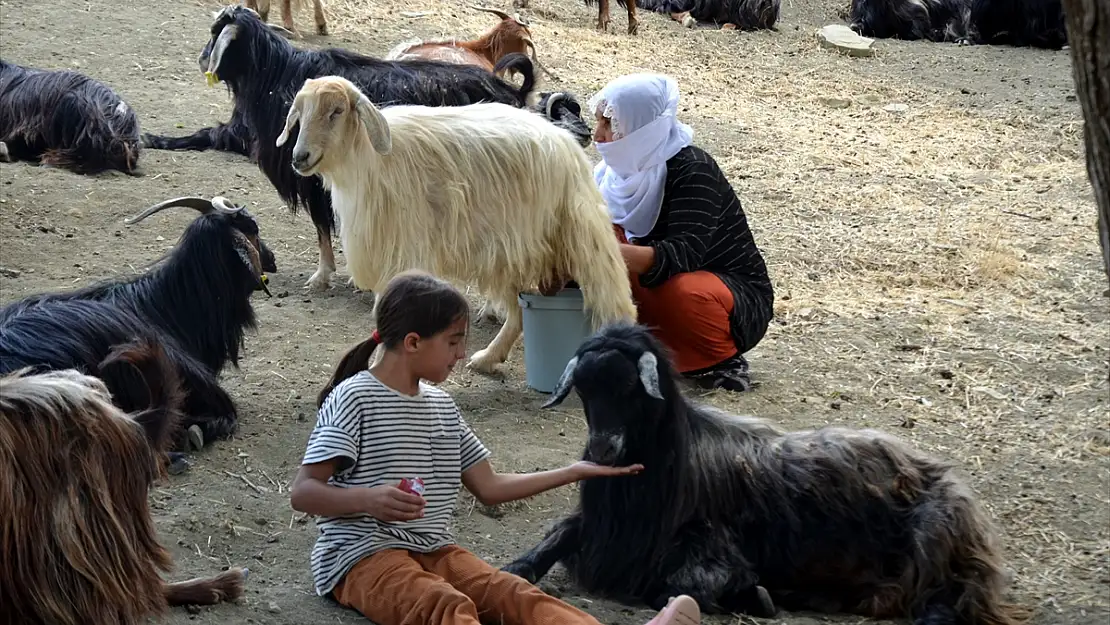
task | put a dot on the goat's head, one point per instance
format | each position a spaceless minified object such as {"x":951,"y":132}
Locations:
{"x":249,"y":246}
{"x":235,"y":31}
{"x":563,"y":110}
{"x":330,"y":111}
{"x":625,"y":379}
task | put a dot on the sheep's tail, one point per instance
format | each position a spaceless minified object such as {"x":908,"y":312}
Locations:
{"x":959,"y":570}
{"x":591,"y":254}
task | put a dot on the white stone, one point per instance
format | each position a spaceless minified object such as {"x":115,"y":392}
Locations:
{"x":846,"y":40}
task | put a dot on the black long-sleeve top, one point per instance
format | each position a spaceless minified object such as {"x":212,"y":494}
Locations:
{"x":702,"y":226}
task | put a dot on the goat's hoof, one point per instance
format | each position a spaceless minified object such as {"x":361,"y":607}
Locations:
{"x":728,"y":26}
{"x":318,"y":282}
{"x":194,"y":437}
{"x":689,"y":21}
{"x":522,"y":570}
{"x":765,"y":606}
{"x":322,"y":30}
{"x":483,"y":362}
{"x":5,"y":157}
{"x":633,"y":27}
{"x":178,"y":463}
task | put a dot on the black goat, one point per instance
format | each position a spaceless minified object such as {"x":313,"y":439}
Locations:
{"x":1020,"y":23}
{"x":729,"y":14}
{"x":196,"y":306}
{"x":65,"y":119}
{"x":740,"y":515}
{"x":911,"y":20}
{"x":563,"y":110}
{"x":234,"y":136}
{"x":264,"y":72}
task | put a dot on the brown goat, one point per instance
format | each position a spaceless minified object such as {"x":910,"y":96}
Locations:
{"x":262,"y":7}
{"x":509,"y":35}
{"x":603,"y":13}
{"x":78,"y":540}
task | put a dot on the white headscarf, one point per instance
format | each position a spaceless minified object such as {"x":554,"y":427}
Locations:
{"x":633,"y":170}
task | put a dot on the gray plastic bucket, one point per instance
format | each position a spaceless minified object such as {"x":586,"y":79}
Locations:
{"x":554,"y":327}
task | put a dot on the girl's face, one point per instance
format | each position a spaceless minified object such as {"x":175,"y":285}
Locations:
{"x":434,"y":357}
{"x":603,"y":131}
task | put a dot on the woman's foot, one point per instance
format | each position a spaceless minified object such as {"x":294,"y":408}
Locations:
{"x":681,"y":610}
{"x":732,"y":375}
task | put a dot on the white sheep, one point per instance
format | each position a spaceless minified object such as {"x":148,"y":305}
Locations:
{"x":487,"y":194}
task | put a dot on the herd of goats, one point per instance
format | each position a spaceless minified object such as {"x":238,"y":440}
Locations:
{"x":107,"y":387}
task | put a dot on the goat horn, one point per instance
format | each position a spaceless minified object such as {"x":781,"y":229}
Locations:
{"x":562,"y":387}
{"x":221,"y":205}
{"x":199,"y":203}
{"x":222,"y":42}
{"x":281,"y":30}
{"x":649,"y":374}
{"x":499,"y":13}
{"x":555,"y":97}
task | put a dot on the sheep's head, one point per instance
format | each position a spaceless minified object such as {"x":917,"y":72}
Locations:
{"x":623,"y":376}
{"x":330,"y":111}
{"x":227,"y":54}
{"x":249,"y":246}
{"x":563,"y":110}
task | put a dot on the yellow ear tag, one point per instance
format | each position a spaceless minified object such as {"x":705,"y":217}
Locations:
{"x":210,"y":77}
{"x":265,"y":279}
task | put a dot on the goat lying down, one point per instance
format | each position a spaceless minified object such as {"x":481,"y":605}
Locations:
{"x":727,"y":14}
{"x":484,"y":193}
{"x":63,"y":118}
{"x":78,"y":540}
{"x":1020,"y":23}
{"x":741,"y":515}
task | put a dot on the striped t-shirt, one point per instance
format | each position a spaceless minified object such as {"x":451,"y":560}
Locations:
{"x":381,"y":435}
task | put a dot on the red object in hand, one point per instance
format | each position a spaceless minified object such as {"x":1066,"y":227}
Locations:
{"x":412,"y":485}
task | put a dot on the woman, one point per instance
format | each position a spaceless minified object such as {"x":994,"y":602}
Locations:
{"x":698,"y":277}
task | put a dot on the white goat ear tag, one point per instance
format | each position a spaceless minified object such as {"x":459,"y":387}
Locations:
{"x":649,"y":374}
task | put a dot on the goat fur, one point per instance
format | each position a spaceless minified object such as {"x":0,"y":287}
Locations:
{"x":195,"y":305}
{"x":77,"y":536}
{"x":1019,"y":23}
{"x":264,"y":71}
{"x":741,"y":515}
{"x":484,"y":193}
{"x":741,"y":14}
{"x":65,"y":119}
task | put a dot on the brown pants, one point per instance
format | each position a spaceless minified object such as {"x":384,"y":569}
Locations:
{"x":450,"y":586}
{"x":689,"y":313}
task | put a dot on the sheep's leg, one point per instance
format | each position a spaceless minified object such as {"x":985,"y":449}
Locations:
{"x":486,"y":360}
{"x":318,"y":13}
{"x":559,"y":543}
{"x":326,"y":266}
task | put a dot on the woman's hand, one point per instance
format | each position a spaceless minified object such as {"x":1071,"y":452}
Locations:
{"x":388,"y":503}
{"x":585,"y":470}
{"x":638,"y":258}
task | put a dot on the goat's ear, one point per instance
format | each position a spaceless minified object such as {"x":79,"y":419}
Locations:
{"x":563,"y":386}
{"x":649,"y":374}
{"x":375,"y":124}
{"x":290,"y":121}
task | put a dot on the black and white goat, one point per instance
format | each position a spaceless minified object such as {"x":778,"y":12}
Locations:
{"x":195,"y":305}
{"x":63,"y":118}
{"x":1020,"y":23}
{"x":743,"y":516}
{"x":727,"y":14}
{"x":264,"y":72}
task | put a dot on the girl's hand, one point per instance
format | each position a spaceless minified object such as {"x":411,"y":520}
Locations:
{"x":584,"y":470}
{"x":388,"y":503}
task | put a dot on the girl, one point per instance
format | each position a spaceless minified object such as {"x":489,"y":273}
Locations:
{"x":389,"y":553}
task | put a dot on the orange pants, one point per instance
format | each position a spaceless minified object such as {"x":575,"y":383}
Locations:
{"x":449,"y":586}
{"x":689,"y":313}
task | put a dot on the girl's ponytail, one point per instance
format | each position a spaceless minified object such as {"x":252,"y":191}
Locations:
{"x":355,"y":360}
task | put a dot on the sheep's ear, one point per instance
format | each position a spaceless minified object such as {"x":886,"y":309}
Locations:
{"x":563,"y":386}
{"x":649,"y":374}
{"x":375,"y":124}
{"x":290,"y":121}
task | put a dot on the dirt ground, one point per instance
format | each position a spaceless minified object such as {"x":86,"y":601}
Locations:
{"x":925,"y":215}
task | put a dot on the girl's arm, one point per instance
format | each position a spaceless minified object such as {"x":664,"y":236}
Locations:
{"x":492,"y":488}
{"x":312,"y":494}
